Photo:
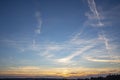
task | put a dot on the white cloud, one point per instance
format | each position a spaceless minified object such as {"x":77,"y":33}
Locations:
{"x":54,"y":47}
{"x":83,"y":47}
{"x":39,"y":21}
{"x":34,"y":44}
{"x":37,"y":31}
{"x":98,"y":59}
{"x":94,"y":18}
{"x":22,"y":68}
{"x":106,"y":42}
{"x":69,"y":58}
{"x":93,"y":8}
{"x":50,"y":50}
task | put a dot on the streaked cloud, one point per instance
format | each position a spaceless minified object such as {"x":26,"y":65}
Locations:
{"x":39,"y":21}
{"x":76,"y":45}
{"x":37,"y":31}
{"x":105,"y":40}
{"x":99,"y":59}
{"x":76,"y":53}
{"x":25,"y":68}
{"x":94,"y":18}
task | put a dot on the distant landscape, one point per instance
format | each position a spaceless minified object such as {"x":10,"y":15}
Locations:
{"x":109,"y":77}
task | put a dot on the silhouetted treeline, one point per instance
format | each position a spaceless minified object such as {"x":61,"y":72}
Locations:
{"x":109,"y":77}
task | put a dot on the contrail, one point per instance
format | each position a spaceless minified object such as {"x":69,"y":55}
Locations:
{"x":71,"y":56}
{"x":106,"y":42}
{"x":103,"y":60}
{"x":93,"y":8}
{"x":39,"y":21}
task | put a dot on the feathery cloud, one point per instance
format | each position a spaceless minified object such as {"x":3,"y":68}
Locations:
{"x":76,"y":53}
{"x":39,"y":21}
{"x":23,"y":68}
{"x":105,"y":40}
{"x":94,"y":19}
{"x":98,"y":59}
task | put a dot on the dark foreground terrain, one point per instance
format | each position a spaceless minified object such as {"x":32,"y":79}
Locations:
{"x":109,"y":77}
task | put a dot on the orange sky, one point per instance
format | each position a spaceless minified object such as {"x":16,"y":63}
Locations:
{"x":31,"y":71}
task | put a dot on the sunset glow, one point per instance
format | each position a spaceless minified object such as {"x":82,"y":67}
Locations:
{"x":30,"y":71}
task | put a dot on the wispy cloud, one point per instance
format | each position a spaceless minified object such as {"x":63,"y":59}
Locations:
{"x":76,"y":53}
{"x":94,"y":18}
{"x":23,"y":68}
{"x":50,"y":49}
{"x":17,"y":44}
{"x":39,"y":21}
{"x":34,"y":44}
{"x":74,"y":47}
{"x":99,"y":59}
{"x":37,"y":31}
{"x":106,"y":41}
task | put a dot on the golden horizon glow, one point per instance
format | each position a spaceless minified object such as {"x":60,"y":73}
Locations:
{"x":31,"y":71}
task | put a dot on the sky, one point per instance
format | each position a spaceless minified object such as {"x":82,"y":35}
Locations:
{"x":59,"y":38}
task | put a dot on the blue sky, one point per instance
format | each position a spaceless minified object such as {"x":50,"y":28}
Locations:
{"x":59,"y":36}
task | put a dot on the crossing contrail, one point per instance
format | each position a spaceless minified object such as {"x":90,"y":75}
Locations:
{"x":93,"y":9}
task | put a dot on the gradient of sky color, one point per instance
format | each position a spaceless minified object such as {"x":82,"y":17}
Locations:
{"x":59,"y":37}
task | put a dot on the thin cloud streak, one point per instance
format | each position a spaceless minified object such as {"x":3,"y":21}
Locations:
{"x":78,"y":52}
{"x":95,"y":15}
{"x":103,"y":60}
{"x":105,"y":40}
{"x":39,"y":21}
